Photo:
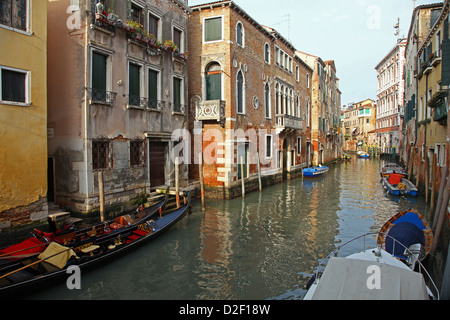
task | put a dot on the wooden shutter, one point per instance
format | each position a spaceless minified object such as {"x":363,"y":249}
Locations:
{"x":134,"y":80}
{"x":153,"y":85}
{"x":99,"y":71}
{"x":177,"y":93}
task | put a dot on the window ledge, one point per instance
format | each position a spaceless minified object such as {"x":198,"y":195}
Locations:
{"x":18,"y":104}
{"x":27,"y":33}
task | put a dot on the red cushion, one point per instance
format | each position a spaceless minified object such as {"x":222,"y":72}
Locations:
{"x":395,"y":179}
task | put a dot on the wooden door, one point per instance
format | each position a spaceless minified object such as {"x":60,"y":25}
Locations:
{"x":157,"y":154}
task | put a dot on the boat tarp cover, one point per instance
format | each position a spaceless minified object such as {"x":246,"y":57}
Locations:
{"x":348,"y":279}
{"x":407,"y":234}
{"x":57,"y":255}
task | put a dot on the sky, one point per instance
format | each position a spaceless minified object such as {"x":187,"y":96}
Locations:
{"x":356,"y":34}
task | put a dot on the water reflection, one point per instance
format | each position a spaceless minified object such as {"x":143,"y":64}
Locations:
{"x":260,"y":247}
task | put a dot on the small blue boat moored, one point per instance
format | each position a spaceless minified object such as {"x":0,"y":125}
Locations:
{"x":396,"y":185}
{"x":314,"y":172}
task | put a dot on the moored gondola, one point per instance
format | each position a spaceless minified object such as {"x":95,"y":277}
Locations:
{"x":25,"y":275}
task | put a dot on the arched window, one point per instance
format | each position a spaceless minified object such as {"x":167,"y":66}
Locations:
{"x":240,"y":92}
{"x":267,"y":100}
{"x":267,"y":53}
{"x":213,"y":81}
{"x":277,"y":99}
{"x":240,"y":34}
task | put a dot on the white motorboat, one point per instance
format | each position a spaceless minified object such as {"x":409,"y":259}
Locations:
{"x":371,"y":274}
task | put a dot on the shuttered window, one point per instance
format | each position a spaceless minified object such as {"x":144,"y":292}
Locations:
{"x":153,"y":25}
{"x":13,"y":86}
{"x":214,"y":82}
{"x":153,"y":85}
{"x":99,"y":71}
{"x":176,"y":95}
{"x":177,"y":35}
{"x":134,"y":84}
{"x":213,"y":29}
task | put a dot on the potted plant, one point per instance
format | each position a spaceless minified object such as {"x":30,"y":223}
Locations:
{"x":170,"y":45}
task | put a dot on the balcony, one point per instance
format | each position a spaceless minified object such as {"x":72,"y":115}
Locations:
{"x":435,"y":58}
{"x":98,"y":96}
{"x":210,"y":110}
{"x":145,"y":103}
{"x":289,"y":122}
{"x":440,"y":112}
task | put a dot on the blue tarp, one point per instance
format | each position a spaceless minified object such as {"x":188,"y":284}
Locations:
{"x":406,"y":233}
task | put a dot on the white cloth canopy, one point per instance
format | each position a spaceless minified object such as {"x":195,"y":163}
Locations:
{"x":347,"y":279}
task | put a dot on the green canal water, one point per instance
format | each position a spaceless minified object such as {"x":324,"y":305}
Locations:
{"x":263,"y":247}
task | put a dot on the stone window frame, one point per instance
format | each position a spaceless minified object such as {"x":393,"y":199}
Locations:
{"x":242,"y":32}
{"x":204,"y":29}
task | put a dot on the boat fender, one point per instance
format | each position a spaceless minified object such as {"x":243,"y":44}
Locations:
{"x":310,"y":282}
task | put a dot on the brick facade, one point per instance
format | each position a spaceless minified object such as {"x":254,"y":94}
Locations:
{"x":274,"y":101}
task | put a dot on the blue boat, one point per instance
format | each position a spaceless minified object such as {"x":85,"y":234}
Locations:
{"x":364,"y":155}
{"x":396,"y":185}
{"x":314,"y":172}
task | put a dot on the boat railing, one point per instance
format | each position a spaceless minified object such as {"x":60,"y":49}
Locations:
{"x":408,"y":252}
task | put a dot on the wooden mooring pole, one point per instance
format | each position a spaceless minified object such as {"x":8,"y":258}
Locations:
{"x":259,"y":172}
{"x":177,"y":182}
{"x":433,"y":183}
{"x":242,"y":177}
{"x":202,"y":182}
{"x":440,"y":218}
{"x":101,"y":193}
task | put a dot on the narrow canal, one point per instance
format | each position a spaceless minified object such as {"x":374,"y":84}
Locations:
{"x":262,"y":247}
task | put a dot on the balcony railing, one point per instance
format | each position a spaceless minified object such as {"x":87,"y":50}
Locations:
{"x":289,"y":122}
{"x":210,"y":110}
{"x":145,"y":103}
{"x":98,"y":96}
{"x":440,"y":112}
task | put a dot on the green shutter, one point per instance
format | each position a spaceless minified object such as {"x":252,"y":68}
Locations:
{"x":214,"y":86}
{"x":177,"y":93}
{"x":99,"y":71}
{"x":213,"y":29}
{"x":134,"y":81}
{"x":153,"y":85}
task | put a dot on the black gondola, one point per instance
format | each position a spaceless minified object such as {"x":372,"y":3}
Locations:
{"x":22,"y":276}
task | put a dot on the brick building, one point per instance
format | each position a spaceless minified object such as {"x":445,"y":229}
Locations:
{"x":325,"y":110}
{"x":251,"y":96}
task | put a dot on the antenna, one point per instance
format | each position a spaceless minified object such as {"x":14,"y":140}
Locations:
{"x":288,"y":20}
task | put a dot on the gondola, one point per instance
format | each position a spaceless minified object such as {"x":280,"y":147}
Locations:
{"x":25,"y":275}
{"x":77,"y":237}
{"x":411,"y":230}
{"x":396,"y":185}
{"x":314,"y":172}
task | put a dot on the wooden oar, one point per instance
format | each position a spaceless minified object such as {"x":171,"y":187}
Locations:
{"x":34,"y":263}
